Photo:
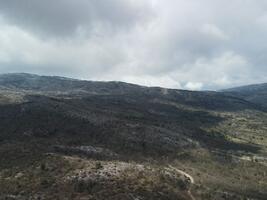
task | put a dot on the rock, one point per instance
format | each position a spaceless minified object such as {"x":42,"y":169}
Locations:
{"x":19,"y":175}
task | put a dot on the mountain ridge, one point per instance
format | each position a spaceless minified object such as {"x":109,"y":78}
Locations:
{"x":256,"y":93}
{"x":56,"y":86}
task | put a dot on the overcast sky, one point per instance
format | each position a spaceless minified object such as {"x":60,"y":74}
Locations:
{"x":189,"y":44}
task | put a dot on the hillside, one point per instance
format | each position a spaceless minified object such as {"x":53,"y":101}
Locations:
{"x":253,"y":93}
{"x":63,"y":138}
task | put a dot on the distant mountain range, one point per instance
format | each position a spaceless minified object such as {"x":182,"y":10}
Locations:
{"x":60,"y":86}
{"x":253,"y":93}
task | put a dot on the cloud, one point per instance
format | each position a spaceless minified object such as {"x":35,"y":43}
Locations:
{"x":213,"y":31}
{"x":220,"y":71}
{"x":163,"y":81}
{"x":193,"y":86}
{"x":68,"y":17}
{"x":175,"y":43}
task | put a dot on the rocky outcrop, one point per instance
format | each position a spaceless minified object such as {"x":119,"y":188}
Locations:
{"x":87,"y":151}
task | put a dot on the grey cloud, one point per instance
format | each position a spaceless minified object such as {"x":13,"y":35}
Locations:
{"x":192,"y":44}
{"x":67,"y":17}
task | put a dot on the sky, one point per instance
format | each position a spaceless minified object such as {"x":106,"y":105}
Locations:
{"x":184,"y":44}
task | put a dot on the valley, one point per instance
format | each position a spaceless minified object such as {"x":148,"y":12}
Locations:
{"x":63,"y":138}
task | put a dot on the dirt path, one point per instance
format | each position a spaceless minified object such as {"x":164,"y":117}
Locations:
{"x":188,"y":177}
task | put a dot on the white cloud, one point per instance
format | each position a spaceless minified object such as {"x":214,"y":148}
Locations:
{"x":161,"y":81}
{"x":193,"y":86}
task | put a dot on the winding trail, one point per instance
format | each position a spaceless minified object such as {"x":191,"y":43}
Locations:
{"x":188,"y":177}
